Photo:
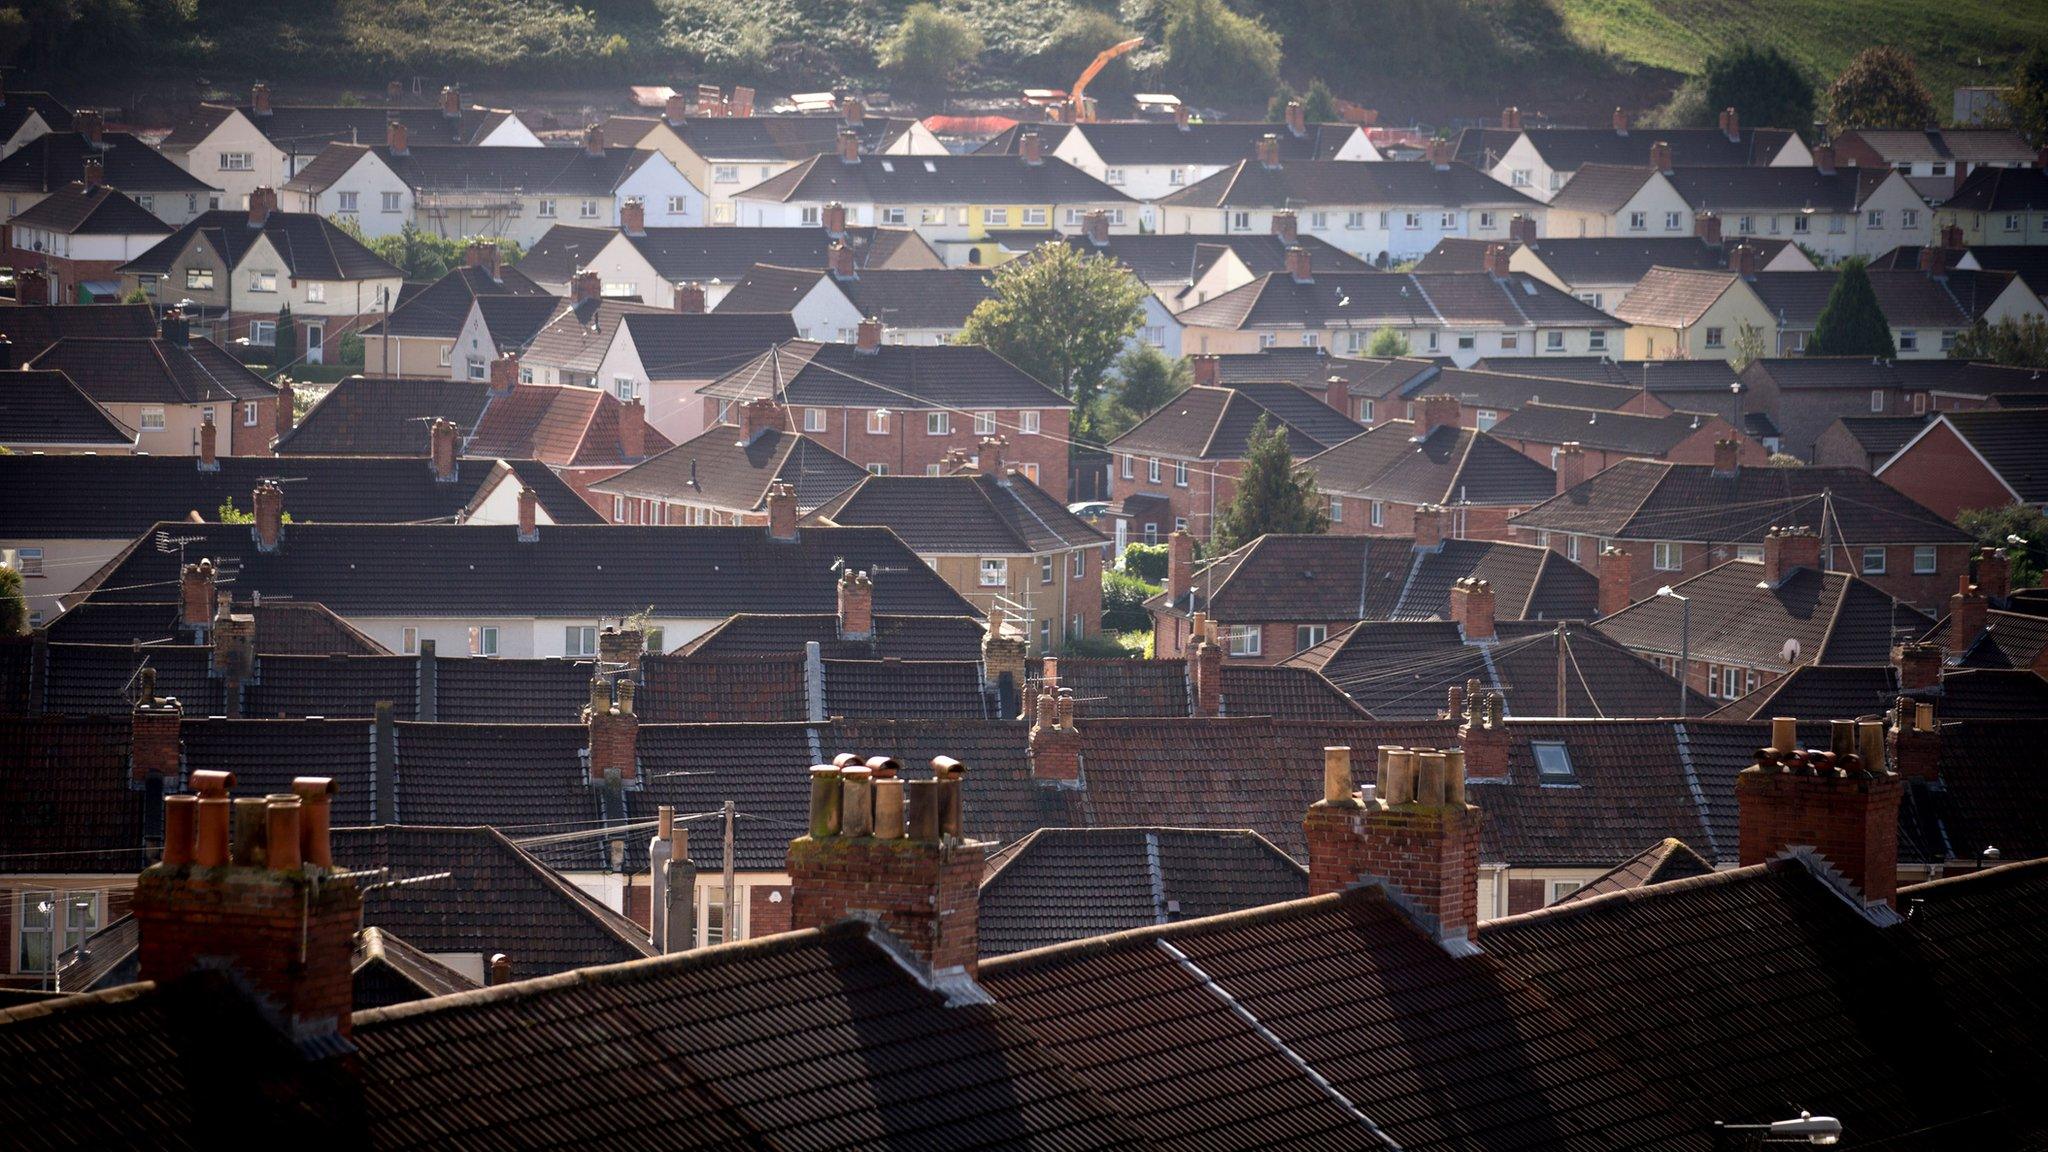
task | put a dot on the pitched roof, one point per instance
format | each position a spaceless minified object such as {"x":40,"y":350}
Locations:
{"x":1292,"y":184}
{"x":896,"y":376}
{"x":283,"y":627}
{"x":303,"y":129}
{"x":709,"y":255}
{"x":1626,"y":259}
{"x":1660,"y":375}
{"x":1508,"y":391}
{"x":123,"y":370}
{"x":1394,"y":300}
{"x":1568,"y":149}
{"x":482,"y":168}
{"x":442,"y":307}
{"x":1205,"y":423}
{"x":1060,"y":884}
{"x":565,"y":426}
{"x":1868,"y":690}
{"x":1880,"y":436}
{"x":963,"y":513}
{"x":1169,"y":258}
{"x":1667,"y":860}
{"x":311,"y":246}
{"x":971,"y":179}
{"x":76,"y":210}
{"x":1995,"y":189}
{"x":383,"y":416}
{"x":65,"y":799}
{"x":718,"y":469}
{"x":2010,"y":640}
{"x":1675,"y":297}
{"x":700,"y":346}
{"x":766,"y":137}
{"x":1628,"y":432}
{"x":1311,"y":368}
{"x":903,"y":637}
{"x":1159,"y":688}
{"x":901,"y":298}
{"x":564,"y":250}
{"x":1726,"y":190}
{"x":34,"y":327}
{"x":1658,"y":500}
{"x":1740,"y":618}
{"x":45,"y":408}
{"x":1124,"y":142}
{"x":49,"y":162}
{"x":1908,"y":297}
{"x":389,"y":971}
{"x":1448,"y":466}
{"x":576,"y":338}
{"x":2013,"y":443}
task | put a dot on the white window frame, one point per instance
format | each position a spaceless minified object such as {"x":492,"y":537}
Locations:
{"x":1667,"y":556}
{"x":1307,"y":636}
{"x":483,"y":640}
{"x":546,"y":210}
{"x":1152,"y":470}
{"x":994,"y":572}
{"x":152,"y":420}
{"x":395,"y":202}
{"x":1045,"y":568}
{"x":237,"y":162}
{"x":579,"y":640}
{"x":938,"y":423}
{"x":895,"y":214}
{"x":28,"y":562}
{"x":345,"y":201}
{"x":1027,"y":422}
{"x":1078,"y":566}
{"x":725,"y":173}
{"x":814,"y":419}
{"x":878,"y":422}
{"x":1034,"y":218}
{"x":1180,"y":473}
{"x":1877,"y":400}
{"x":1129,"y":466}
{"x":1925,"y":560}
{"x":263,"y":333}
{"x":679,"y":205}
{"x":587,"y":210}
{"x":250,"y":412}
{"x":199,"y":279}
{"x":1244,"y":640}
{"x":1875,"y":552}
{"x":1379,"y":514}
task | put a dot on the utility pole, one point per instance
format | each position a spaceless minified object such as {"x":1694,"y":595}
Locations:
{"x":730,"y":919}
{"x":1563,"y":708}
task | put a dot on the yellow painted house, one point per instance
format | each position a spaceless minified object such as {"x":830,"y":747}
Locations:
{"x":1691,"y":314}
{"x":1998,"y":206}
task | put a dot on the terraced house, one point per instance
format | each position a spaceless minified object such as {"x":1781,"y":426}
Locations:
{"x":53,"y":161}
{"x":1543,"y":160}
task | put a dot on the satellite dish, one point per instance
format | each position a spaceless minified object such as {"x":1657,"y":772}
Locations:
{"x":1790,"y":652}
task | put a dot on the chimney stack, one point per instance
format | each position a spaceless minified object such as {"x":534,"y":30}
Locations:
{"x":1993,"y":574}
{"x":1824,"y":159}
{"x":1003,"y":670}
{"x":1522,"y":229}
{"x":1032,"y":147}
{"x":1181,"y":117}
{"x":451,"y":102}
{"x":1918,"y":665}
{"x":1180,"y":566}
{"x":672,"y":880}
{"x":891,"y":851}
{"x":633,"y":216}
{"x":274,"y":913}
{"x":95,"y":173}
{"x":839,"y":261}
{"x":262,"y":202}
{"x":234,"y":647}
{"x":1297,"y":120}
{"x":1952,"y":237}
{"x":1968,"y":612}
{"x":1472,"y":608}
{"x":852,"y":111}
{"x":849,"y":146}
{"x":1205,"y":670}
{"x":395,"y":134}
{"x":1842,"y":802}
{"x":1207,"y":371}
{"x":1571,"y":466}
{"x":633,"y":428}
{"x":834,"y":219}
{"x":1429,"y":527}
{"x":1269,"y":151}
{"x":394,"y":91}
{"x":689,"y":298}
{"x":1511,"y":119}
{"x":675,"y":109}
{"x":1787,"y":550}
{"x":1727,"y":457}
{"x":585,"y":285}
{"x":482,"y":254}
{"x":87,"y":123}
{"x":174,"y":329}
{"x":621,"y":648}
{"x":1096,"y":223}
{"x":761,"y":416}
{"x":1660,"y":157}
{"x":856,"y":603}
{"x":441,"y":450}
{"x":1731,"y":124}
{"x":593,"y":141}
{"x":1055,"y":744}
{"x":1440,"y":153}
{"x":1337,"y":394}
{"x":1913,"y":739}
{"x":529,"y":515}
{"x":1299,"y":266}
{"x":1286,"y":227}
{"x":1438,"y":411}
{"x":505,"y":374}
{"x":154,"y":748}
{"x":1412,"y":833}
{"x":269,"y":516}
{"x":868,"y":337}
{"x":742,"y":103}
{"x":1707,"y":227}
{"x":1617,"y":575}
{"x":614,"y":731}
{"x":259,"y":100}
{"x":1621,"y":121}
{"x":32,"y":286}
{"x":989,"y":461}
{"x":209,"y":437}
{"x":1482,"y":731}
{"x":782,"y":521}
{"x":1742,"y":260}
{"x":1494,"y":261}
{"x":197,"y":591}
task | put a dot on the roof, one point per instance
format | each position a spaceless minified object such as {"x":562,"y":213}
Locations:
{"x":1727,"y":190}
{"x":1661,"y":375}
{"x":1293,"y":184}
{"x":65,"y":800}
{"x":1601,"y":188}
{"x":1204,"y":423}
{"x":564,"y":250}
{"x":1676,"y":297}
{"x":701,"y":346}
{"x":568,"y":427}
{"x":1169,"y":258}
{"x":2013,"y":443}
{"x":1880,"y":436}
{"x":1969,"y":145}
{"x":383,"y":416}
{"x":972,"y":179}
{"x":17,"y":106}
{"x":130,"y":494}
{"x":897,"y":376}
{"x":718,"y":469}
{"x":1448,"y":466}
{"x":389,"y":971}
{"x":283,"y":627}
{"x":311,"y":246}
{"x":2011,"y":639}
{"x":46,"y":408}
{"x":1377,"y":300}
{"x":765,"y":137}
{"x":126,"y":370}
{"x":483,"y":168}
{"x":1658,"y":500}
{"x":442,"y":308}
{"x":1869,"y":690}
{"x":1159,"y":688}
{"x":902,"y":298}
{"x":1569,"y":149}
{"x":1311,"y":368}
{"x":1134,"y":142}
{"x":903,"y":637}
{"x":724,"y":255}
{"x":1908,"y":297}
{"x":579,"y":334}
{"x":1992,"y":189}
{"x":965,"y":513}
{"x":1628,"y":432}
{"x":1667,"y":860}
{"x":303,"y":129}
{"x":76,"y":210}
{"x":34,"y":327}
{"x":1626,"y":260}
{"x":49,"y":162}
{"x":1739,"y":618}
{"x":1060,"y":884}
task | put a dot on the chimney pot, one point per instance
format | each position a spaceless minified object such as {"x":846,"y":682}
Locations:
{"x":1967,"y":615}
{"x":614,"y":732}
{"x":1616,"y":576}
{"x":1032,"y":148}
{"x":1096,"y":222}
{"x":395,"y":134}
{"x":1849,"y":817}
{"x":1180,"y":566}
{"x":1337,"y":787}
{"x":1495,"y":261}
{"x":690,"y":298}
{"x":451,"y":102}
{"x":1440,"y":153}
{"x":287,"y":400}
{"x":1297,"y":120}
{"x":1269,"y":151}
{"x":209,"y":437}
{"x":593,"y":140}
{"x":501,"y":969}
{"x":868,"y":337}
{"x":675,"y":109}
{"x":633,"y":428}
{"x":1511,"y":119}
{"x":1522,"y":229}
{"x":1472,"y":608}
{"x":1918,"y":665}
{"x":633,"y":216}
{"x":1824,"y":159}
{"x":1423,"y":845}
{"x":834,"y":219}
{"x":1993,"y":574}
{"x":95,"y":173}
{"x":1621,"y":121}
{"x":262,"y":202}
{"x":584,"y":286}
{"x":852,"y":111}
{"x":1439,"y":411}
{"x":197,"y":592}
{"x":1727,"y":457}
{"x":1207,"y":370}
{"x":87,"y":123}
{"x":849,"y":146}
{"x":990,"y":462}
{"x":259,"y":100}
{"x":839,"y":261}
{"x":1570,"y":466}
{"x":505,"y":374}
{"x":1205,"y":673}
{"x":1286,"y":226}
{"x":1181,"y":117}
{"x":1788,"y":549}
{"x":1660,"y":156}
{"x":1742,"y":260}
{"x":1731,"y":124}
{"x":1707,"y":227}
{"x":1298,"y":266}
{"x":762,"y":416}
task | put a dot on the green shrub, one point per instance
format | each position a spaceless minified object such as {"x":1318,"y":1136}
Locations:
{"x":929,"y":46}
{"x":1123,"y":601}
{"x":1211,"y":48}
{"x":13,"y":603}
{"x":1075,"y":42}
{"x":1097,"y":648}
{"x":1146,"y":561}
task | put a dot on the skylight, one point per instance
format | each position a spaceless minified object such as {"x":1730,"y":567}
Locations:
{"x":1553,"y":762}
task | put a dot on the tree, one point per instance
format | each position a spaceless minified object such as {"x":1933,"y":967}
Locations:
{"x":1851,"y":324}
{"x":13,"y":603}
{"x":1767,"y":88}
{"x":1213,"y":49}
{"x":1077,"y":39}
{"x":1747,"y":347}
{"x":285,"y":351}
{"x":1318,"y":106}
{"x":1060,"y":315}
{"x":2026,"y":102}
{"x":1271,"y":496}
{"x":423,"y":255}
{"x":1996,"y":527}
{"x":1879,"y":89}
{"x":1387,"y":342}
{"x":1149,"y":379}
{"x":2022,"y":342}
{"x":929,"y":46}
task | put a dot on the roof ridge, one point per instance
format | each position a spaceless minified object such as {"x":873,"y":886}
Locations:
{"x":1112,"y":941}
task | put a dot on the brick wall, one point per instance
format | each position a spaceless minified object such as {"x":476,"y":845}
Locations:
{"x":1191,"y":503}
{"x":767,"y":915}
{"x":1427,"y":852}
{"x":1941,"y":472}
{"x":907,"y":448}
{"x":923,"y":892}
{"x":1850,"y":820}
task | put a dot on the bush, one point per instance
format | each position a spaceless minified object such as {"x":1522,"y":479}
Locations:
{"x":1996,"y":527}
{"x":1318,"y":105}
{"x":1210,"y":48}
{"x":1097,"y":648}
{"x":1879,"y":89}
{"x":1074,"y":43}
{"x":1767,"y":89}
{"x":349,"y":350}
{"x":13,"y":603}
{"x":1146,"y":561}
{"x":1123,"y":601}
{"x":929,"y":46}
{"x":1387,"y":342}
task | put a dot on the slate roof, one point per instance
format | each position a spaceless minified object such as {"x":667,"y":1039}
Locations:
{"x":1204,"y":423}
{"x":2011,"y":640}
{"x":1448,"y":466}
{"x":1728,"y":190}
{"x":1159,"y":688}
{"x":1989,"y":189}
{"x":1676,"y":297}
{"x":768,"y":137}
{"x":568,"y":427}
{"x":1626,"y":260}
{"x":389,"y":971}
{"x":34,"y":327}
{"x":1628,"y":432}
{"x":1175,"y":258}
{"x":1404,"y":183}
{"x":2013,"y":443}
{"x":303,"y":129}
{"x":1311,"y":368}
{"x":512,"y":321}
{"x":111,"y":957}
{"x":578,"y":335}
{"x":115,"y":370}
{"x":1870,"y":690}
{"x":707,"y":255}
{"x":283,"y":627}
{"x":442,"y":307}
{"x":1667,"y":860}
{"x":481,"y":168}
{"x":1602,"y":188}
{"x":1657,"y":500}
{"x":1880,"y":436}
{"x":15,"y":107}
{"x":564,"y":250}
{"x":902,"y":298}
{"x":962,"y":514}
{"x":383,"y":416}
{"x":76,"y":210}
{"x":133,"y":493}
{"x":311,"y":246}
{"x":903,"y":637}
{"x":678,"y":346}
{"x":804,"y":373}
{"x":1060,"y":884}
{"x":1832,"y":617}
{"x":1129,"y":142}
{"x":1660,"y":375}
{"x":64,"y":795}
{"x":1377,"y":300}
{"x":49,"y":162}
{"x":972,"y":179}
{"x":46,"y":408}
{"x":717,"y":469}
{"x":1567,"y":149}
{"x":1908,"y":298}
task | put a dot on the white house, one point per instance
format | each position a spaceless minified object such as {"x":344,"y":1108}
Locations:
{"x":915,"y":306}
{"x":1542,"y":161}
{"x":665,"y":358}
{"x":89,"y":153}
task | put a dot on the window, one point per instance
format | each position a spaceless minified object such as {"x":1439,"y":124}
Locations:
{"x":725,"y":173}
{"x":1948,"y":340}
{"x":1467,"y":341}
{"x":1318,"y":221}
{"x":152,"y":419}
{"x":547,"y":209}
{"x":1749,"y":552}
{"x":1518,"y":178}
{"x":1112,"y":176}
{"x":1666,"y":556}
{"x":1129,"y":461}
{"x":1746,"y":225}
{"x":1714,"y":681}
{"x":409,"y":640}
{"x":995,"y":217}
{"x":1909,"y":341}
{"x":199,"y":279}
{"x":1509,"y":341}
{"x":1799,"y":225}
{"x":390,"y":202}
{"x":1715,"y":337}
{"x":1354,"y":220}
{"x":2014,"y":222}
{"x":1919,"y":403}
{"x":1433,"y":338}
{"x":1365,"y":411}
{"x":1151,"y":533}
{"x":1078,"y":566}
{"x":1571,"y":548}
{"x":878,"y":422}
{"x":809,"y":216}
{"x":1152,"y":470}
{"x":1877,"y":400}
{"x":995,"y":572}
{"x":679,"y":206}
{"x":46,"y":934}
{"x":932,"y":470}
{"x":1027,"y":422}
{"x":1155,"y":335}
{"x":1045,"y":635}
{"x":483,"y":641}
{"x":1244,"y":640}
{"x":1336,"y":510}
{"x":147,"y":282}
{"x":345,"y":201}
{"x":316,"y":293}
{"x":1873,"y":561}
{"x":1035,"y":218}
{"x":1485,"y":220}
{"x":814,"y":419}
{"x":878,"y":469}
{"x":1596,"y":341}
{"x":1837,"y":224}
{"x":1180,"y":523}
{"x":29,"y":561}
{"x":1910,"y":217}
{"x":1638,"y":221}
{"x":1553,"y":341}
{"x":1411,"y":220}
{"x":1671,"y":221}
{"x":1731,"y":683}
{"x":1241,"y":221}
{"x":263,"y":280}
{"x":587,"y":210}
{"x":249,"y":413}
{"x":263,"y":332}
{"x":1450,"y":221}
{"x":714,"y":916}
{"x":1553,"y":762}
{"x":1777,"y":225}
{"x":236,"y":162}
{"x":1874,"y":218}
{"x":938,"y":423}
{"x":894,"y":216}
{"x":1307,"y":636}
{"x":447,"y":355}
{"x":1267,"y":340}
{"x":1176,"y":176}
{"x":1485,"y":419}
{"x":1180,"y":473}
{"x":579,"y":640}
{"x":1379,"y":514}
{"x":1923,"y":560}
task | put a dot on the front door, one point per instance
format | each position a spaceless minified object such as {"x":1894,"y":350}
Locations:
{"x":316,"y":342}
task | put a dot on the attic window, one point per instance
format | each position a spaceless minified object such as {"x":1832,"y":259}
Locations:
{"x":930,"y":167}
{"x":1553,"y":762}
{"x":888,"y":166}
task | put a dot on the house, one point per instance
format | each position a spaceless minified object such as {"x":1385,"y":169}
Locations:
{"x":724,"y":155}
{"x":1753,"y":621}
{"x":46,"y":412}
{"x":1865,"y":442}
{"x":1805,"y":394}
{"x":1001,"y":542}
{"x":1542,"y":160}
{"x":1281,"y":595}
{"x":383,"y":416}
{"x":1995,"y":206}
{"x":53,"y":161}
{"x":167,"y":386}
{"x":491,"y":191}
{"x":1381,"y":212}
{"x":584,"y":434}
{"x":79,"y":236}
{"x":1695,"y":314}
{"x":902,"y":408}
{"x":724,"y":474}
{"x":1926,"y":308}
{"x":915,"y":306}
{"x":652,"y":264}
{"x":1996,"y":628}
{"x":1935,"y":160}
{"x":1964,"y":460}
{"x":1603,"y":270}
{"x":1460,"y":315}
{"x":30,"y":328}
{"x":27,"y":115}
{"x":571,"y":346}
{"x":420,"y":336}
{"x":665,"y":359}
{"x":1872,"y":689}
{"x":1176,"y":469}
{"x":954,"y":202}
{"x":499,"y":325}
{"x":1689,"y":518}
{"x":1376,"y":483}
{"x":232,"y":272}
{"x":1485,"y":397}
{"x":263,"y":144}
{"x":1543,"y":433}
{"x":1368,"y":383}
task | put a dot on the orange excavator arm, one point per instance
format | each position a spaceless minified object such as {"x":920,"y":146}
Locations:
{"x":1101,"y":61}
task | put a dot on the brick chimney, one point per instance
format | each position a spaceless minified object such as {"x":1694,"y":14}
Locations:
{"x":1207,"y":370}
{"x":451,"y":102}
{"x":1337,"y":394}
{"x":1299,"y":267}
{"x":1494,"y":261}
{"x":529,"y":515}
{"x":1824,"y":159}
{"x":1727,"y":457}
{"x":234,"y":646}
{"x":856,"y":604}
{"x":174,"y":329}
{"x":1438,"y":411}
{"x":1571,"y":466}
{"x":761,"y":416}
{"x":481,"y":254}
{"x":268,"y":907}
{"x":154,"y":748}
{"x":989,"y":455}
{"x":395,"y":138}
{"x":1180,"y":566}
{"x":742,"y":100}
{"x":839,"y":261}
{"x":867,"y":338}
{"x":1482,"y":731}
{"x":1919,"y":666}
{"x":1032,"y":148}
{"x":1472,"y":607}
{"x":32,"y":286}
{"x":1842,"y":802}
{"x":1967,"y":615}
{"x":633,"y":428}
{"x":1429,"y":527}
{"x":852,"y":111}
{"x":1660,"y":156}
{"x":441,"y":450}
{"x":675,"y":109}
{"x":1269,"y":151}
{"x":1286,"y":226}
{"x":1731,"y":124}
{"x":614,"y":731}
{"x":1412,"y":833}
{"x":197,"y":590}
{"x":1742,"y":260}
{"x":1522,"y":229}
{"x":1003,"y":670}
{"x":505,"y":374}
{"x":259,"y":100}
{"x":1788,"y":549}
{"x":621,"y":648}
{"x":1205,"y":671}
{"x":849,"y":146}
{"x":95,"y":173}
{"x":209,"y":437}
{"x":593,"y":141}
{"x":585,"y":285}
{"x":1707,"y":227}
{"x":782,"y":526}
{"x":87,"y":123}
{"x":394,"y":91}
{"x":1297,"y":120}
{"x":1055,"y":743}
{"x":1617,"y":574}
{"x":891,"y":852}
{"x":1621,"y":121}
{"x":1440,"y":153}
{"x":1511,"y":119}
{"x":1993,"y":574}
{"x":262,"y":202}
{"x":1913,"y":739}
{"x":834,"y":218}
{"x":633,"y":216}
{"x":1952,"y":236}
{"x":268,"y":528}
{"x":1181,"y":117}
{"x":1935,"y":261}
{"x":1095,"y":223}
